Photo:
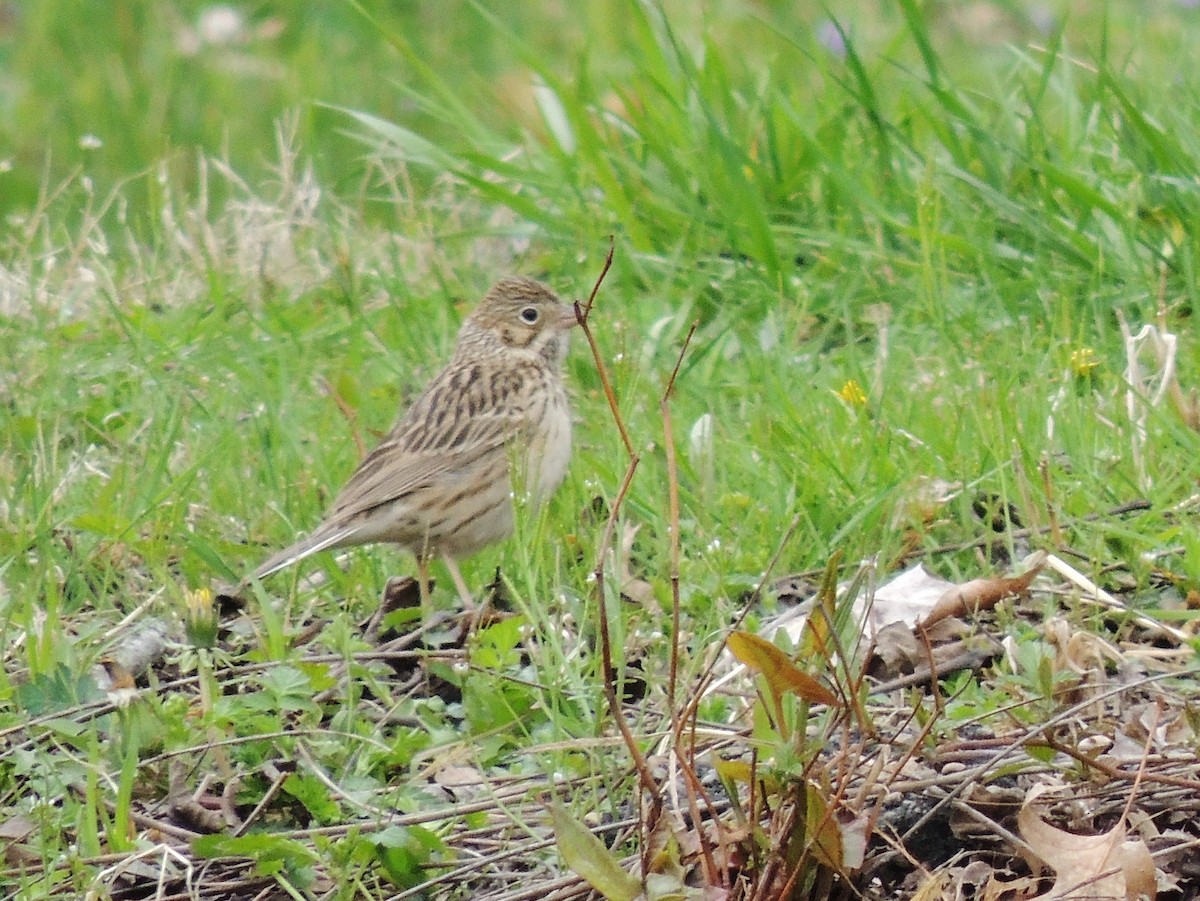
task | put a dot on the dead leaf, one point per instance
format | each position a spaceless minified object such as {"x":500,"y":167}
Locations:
{"x":982,"y":594}
{"x":897,"y":651}
{"x":135,"y":651}
{"x":997,"y":889}
{"x":856,"y":834}
{"x":782,"y":675}
{"x":13,"y":834}
{"x":1091,"y":867}
{"x":933,"y":889}
{"x":453,"y":776}
{"x":907,"y":599}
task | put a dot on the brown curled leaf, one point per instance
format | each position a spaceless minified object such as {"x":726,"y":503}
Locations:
{"x":982,"y":594}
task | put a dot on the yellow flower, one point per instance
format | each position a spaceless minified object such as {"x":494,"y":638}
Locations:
{"x":1083,"y":361}
{"x":200,"y":618}
{"x":852,"y":394}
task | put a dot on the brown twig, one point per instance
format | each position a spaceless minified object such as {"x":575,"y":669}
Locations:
{"x":349,"y":413}
{"x":1115,"y":773}
{"x":673,"y":520}
{"x":714,"y":874}
{"x":694,"y":786}
{"x":582,"y":312}
{"x":1056,"y":536}
{"x":1037,"y":734}
{"x":591,"y":301}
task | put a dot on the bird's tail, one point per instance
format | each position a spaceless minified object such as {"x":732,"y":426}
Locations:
{"x":321,"y":540}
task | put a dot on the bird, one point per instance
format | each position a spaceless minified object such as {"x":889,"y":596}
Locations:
{"x":495,"y":421}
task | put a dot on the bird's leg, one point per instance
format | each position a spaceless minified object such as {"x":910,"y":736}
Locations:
{"x":464,"y":593}
{"x":423,"y":582}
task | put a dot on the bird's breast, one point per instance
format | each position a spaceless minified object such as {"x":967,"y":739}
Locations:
{"x":550,"y":443}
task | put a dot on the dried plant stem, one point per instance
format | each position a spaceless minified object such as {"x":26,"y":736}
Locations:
{"x":1115,"y":773}
{"x":645,"y":779}
{"x":1055,"y":529}
{"x":695,"y":790}
{"x":349,"y":414}
{"x":1037,"y":734}
{"x":582,"y":312}
{"x":673,"y":531}
{"x":606,"y":657}
{"x":673,"y":521}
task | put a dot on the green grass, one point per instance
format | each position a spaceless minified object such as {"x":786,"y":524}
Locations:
{"x":942,"y":219}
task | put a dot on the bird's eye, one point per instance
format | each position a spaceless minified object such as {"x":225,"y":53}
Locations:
{"x":530,"y":315}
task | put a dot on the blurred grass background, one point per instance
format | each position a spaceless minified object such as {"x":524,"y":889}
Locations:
{"x":114,"y":91}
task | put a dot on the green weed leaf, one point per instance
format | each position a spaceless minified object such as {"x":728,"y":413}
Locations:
{"x":586,"y":856}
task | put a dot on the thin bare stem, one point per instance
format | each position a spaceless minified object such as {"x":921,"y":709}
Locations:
{"x":606,"y":657}
{"x":349,"y":414}
{"x":673,"y":531}
{"x":591,"y":301}
{"x":582,"y":312}
{"x":673,"y":521}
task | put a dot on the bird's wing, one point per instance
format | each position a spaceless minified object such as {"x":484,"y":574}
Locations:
{"x":466,"y":403}
{"x":456,"y":420}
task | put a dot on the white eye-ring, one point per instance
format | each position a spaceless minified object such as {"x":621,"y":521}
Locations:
{"x":530,"y":315}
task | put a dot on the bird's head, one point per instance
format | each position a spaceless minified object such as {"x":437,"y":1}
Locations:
{"x":521,"y":314}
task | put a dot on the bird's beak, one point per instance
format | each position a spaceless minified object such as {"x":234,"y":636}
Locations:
{"x":569,"y":319}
